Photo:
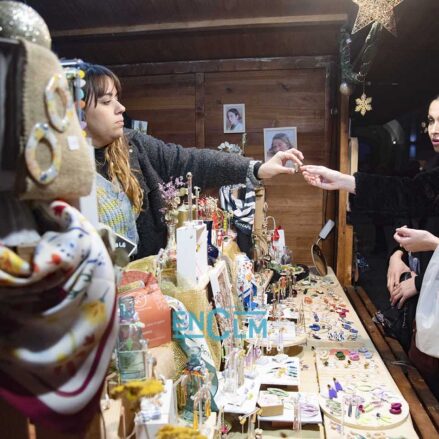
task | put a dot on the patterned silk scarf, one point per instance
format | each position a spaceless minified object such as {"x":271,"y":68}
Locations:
{"x":57,"y":323}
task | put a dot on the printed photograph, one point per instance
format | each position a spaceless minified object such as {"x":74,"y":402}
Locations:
{"x":234,"y":118}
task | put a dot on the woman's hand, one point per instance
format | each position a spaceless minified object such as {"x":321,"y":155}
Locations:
{"x":328,"y":179}
{"x":276,"y":165}
{"x":395,"y":269}
{"x":414,"y":240}
{"x":403,"y":291}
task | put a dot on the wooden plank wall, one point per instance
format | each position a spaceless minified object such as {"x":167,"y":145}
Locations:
{"x":187,"y":108}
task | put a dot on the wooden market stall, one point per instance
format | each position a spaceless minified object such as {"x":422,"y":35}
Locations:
{"x":181,"y":61}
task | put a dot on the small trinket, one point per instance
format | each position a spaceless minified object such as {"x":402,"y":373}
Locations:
{"x":395,"y":408}
{"x":354,"y":356}
{"x":337,"y":385}
{"x":340,"y":355}
{"x":332,"y":393}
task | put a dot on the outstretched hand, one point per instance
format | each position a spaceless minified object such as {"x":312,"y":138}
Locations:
{"x":277,"y":164}
{"x":328,"y":179}
{"x":414,"y":240}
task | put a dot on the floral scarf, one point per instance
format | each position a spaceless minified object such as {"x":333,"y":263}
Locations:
{"x":57,"y":323}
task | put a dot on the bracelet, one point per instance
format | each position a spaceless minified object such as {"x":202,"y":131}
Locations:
{"x":252,"y":170}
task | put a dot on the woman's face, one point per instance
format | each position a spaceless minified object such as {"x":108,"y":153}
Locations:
{"x":232,"y":117}
{"x":279,"y":145}
{"x":433,"y":124}
{"x":105,"y":120}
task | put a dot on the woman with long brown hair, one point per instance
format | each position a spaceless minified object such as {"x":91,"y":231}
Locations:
{"x":132,"y":164}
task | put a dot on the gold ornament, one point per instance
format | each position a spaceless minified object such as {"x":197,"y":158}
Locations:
{"x":363,"y":104}
{"x":18,"y":20}
{"x":381,"y":11}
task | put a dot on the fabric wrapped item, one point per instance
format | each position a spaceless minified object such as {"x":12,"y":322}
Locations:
{"x":57,"y":322}
{"x":196,"y":302}
{"x":54,"y":158}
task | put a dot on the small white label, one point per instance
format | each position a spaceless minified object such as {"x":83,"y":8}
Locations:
{"x":73,"y":142}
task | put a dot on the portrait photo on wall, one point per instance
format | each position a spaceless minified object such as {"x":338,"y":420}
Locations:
{"x":140,"y":125}
{"x":279,"y":139}
{"x":234,"y":118}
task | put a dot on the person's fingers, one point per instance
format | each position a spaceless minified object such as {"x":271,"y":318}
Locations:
{"x":288,"y":155}
{"x":402,"y":301}
{"x":296,"y":152}
{"x":313,"y":169}
{"x":396,"y":298}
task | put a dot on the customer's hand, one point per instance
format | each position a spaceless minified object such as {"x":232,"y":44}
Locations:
{"x":403,"y":292}
{"x":328,"y":179}
{"x":414,"y":240}
{"x":277,"y":164}
{"x":395,"y":269}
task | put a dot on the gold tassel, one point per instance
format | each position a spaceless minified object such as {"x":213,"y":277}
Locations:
{"x":195,"y":420}
{"x":207,"y":407}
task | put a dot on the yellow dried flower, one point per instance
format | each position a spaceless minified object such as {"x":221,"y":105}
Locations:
{"x":174,"y":432}
{"x":134,"y":390}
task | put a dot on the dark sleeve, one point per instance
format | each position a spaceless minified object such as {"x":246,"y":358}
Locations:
{"x":209,"y":168}
{"x":397,"y":196}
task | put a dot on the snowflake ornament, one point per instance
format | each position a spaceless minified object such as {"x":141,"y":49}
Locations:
{"x":363,"y":104}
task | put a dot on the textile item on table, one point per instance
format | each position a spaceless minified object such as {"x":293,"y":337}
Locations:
{"x":197,"y":303}
{"x":115,"y":209}
{"x":189,"y":336}
{"x":243,"y":208}
{"x":57,"y":322}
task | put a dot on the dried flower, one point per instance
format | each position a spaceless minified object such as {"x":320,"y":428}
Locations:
{"x":174,"y":432}
{"x":170,"y":194}
{"x":133,"y":391}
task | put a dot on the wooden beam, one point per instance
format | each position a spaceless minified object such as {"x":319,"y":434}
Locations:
{"x":222,"y":65}
{"x":199,"y":111}
{"x":344,"y":231}
{"x":204,"y":25}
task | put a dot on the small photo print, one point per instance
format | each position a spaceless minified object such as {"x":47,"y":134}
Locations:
{"x":279,"y":139}
{"x":234,"y":118}
{"x":140,"y":125}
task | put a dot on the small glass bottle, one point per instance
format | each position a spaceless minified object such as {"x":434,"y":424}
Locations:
{"x":131,"y":345}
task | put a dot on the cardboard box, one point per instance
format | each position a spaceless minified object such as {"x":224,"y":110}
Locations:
{"x":150,"y":304}
{"x":271,"y":405}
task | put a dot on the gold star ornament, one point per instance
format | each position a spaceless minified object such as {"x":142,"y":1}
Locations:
{"x":363,"y":104}
{"x":381,"y":11}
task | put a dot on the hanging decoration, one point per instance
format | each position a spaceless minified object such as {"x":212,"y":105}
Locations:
{"x":378,"y":11}
{"x":365,"y":58}
{"x":363,"y":104}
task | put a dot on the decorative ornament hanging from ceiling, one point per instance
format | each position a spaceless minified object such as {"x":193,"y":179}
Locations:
{"x":364,"y":104}
{"x":380,"y":11}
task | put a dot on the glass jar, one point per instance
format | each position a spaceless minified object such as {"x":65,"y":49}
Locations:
{"x":131,"y":345}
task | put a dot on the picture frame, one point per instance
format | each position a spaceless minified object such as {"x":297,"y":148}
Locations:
{"x":279,"y":139}
{"x":234,"y":118}
{"x":222,"y":296}
{"x":140,"y":125}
